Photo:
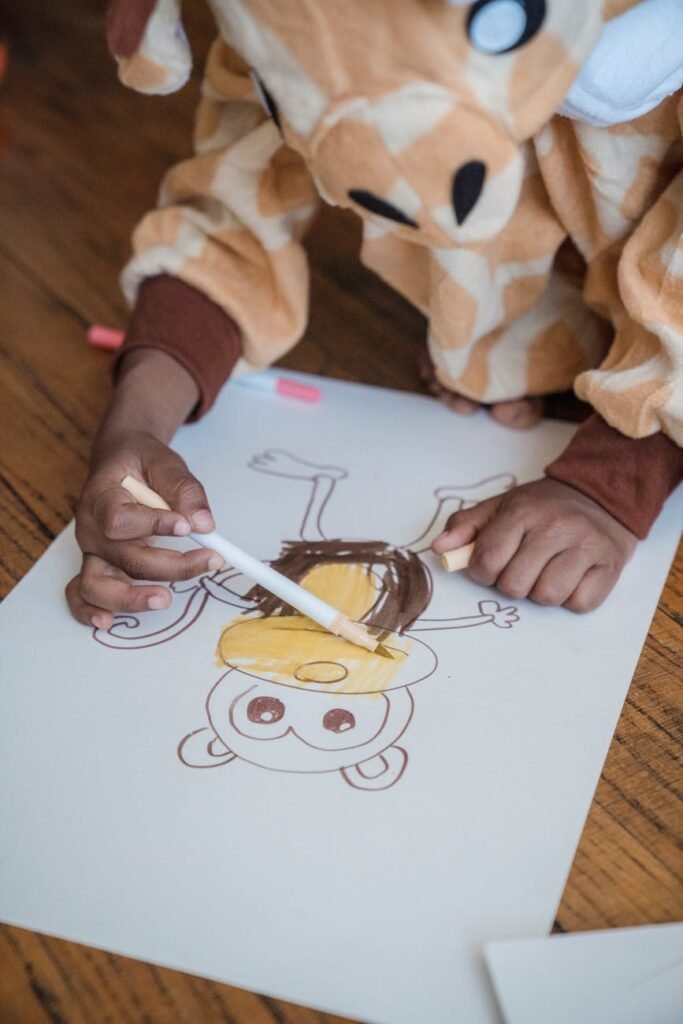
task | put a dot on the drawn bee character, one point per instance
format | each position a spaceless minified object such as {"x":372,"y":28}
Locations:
{"x":294,"y":697}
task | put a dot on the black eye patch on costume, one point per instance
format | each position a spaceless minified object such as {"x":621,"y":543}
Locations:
{"x":468,"y":181}
{"x":499,"y":26}
{"x":267,"y":101}
{"x":373,"y":203}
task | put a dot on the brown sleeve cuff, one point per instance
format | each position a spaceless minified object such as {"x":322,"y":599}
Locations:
{"x":126,"y":23}
{"x":630,"y":478}
{"x":182,"y":322}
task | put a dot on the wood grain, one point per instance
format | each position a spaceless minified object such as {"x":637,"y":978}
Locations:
{"x":80,"y":161}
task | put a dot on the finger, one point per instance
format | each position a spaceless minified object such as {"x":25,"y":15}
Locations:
{"x":518,"y":578}
{"x":88,"y":614}
{"x":496,"y":545}
{"x":183,"y":492}
{"x":142,"y":562}
{"x":104,"y":587}
{"x":457,"y":403}
{"x":119,"y":517}
{"x":463,"y":526}
{"x":560,"y":577}
{"x":592,"y":590}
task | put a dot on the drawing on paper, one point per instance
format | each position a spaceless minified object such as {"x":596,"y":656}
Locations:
{"x":294,"y":697}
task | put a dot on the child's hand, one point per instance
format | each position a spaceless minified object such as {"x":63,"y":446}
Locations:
{"x":543,"y":540}
{"x":114,"y":532}
{"x":153,"y":396}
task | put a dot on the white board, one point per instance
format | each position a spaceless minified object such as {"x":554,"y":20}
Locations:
{"x":621,"y":976}
{"x":309,"y":882}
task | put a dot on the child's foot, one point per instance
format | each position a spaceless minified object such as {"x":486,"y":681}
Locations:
{"x":519,"y":414}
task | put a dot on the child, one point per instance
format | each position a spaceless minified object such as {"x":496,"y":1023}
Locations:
{"x":544,"y":248}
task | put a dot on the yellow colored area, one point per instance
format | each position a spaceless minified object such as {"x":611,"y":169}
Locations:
{"x":293,"y":650}
{"x":350,"y":588}
{"x":321,"y":672}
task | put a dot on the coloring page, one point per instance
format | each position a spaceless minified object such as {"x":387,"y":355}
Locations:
{"x":226,"y":788}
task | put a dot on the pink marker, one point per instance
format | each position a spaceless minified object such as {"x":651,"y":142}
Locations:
{"x":105,"y":337}
{"x":270,"y":384}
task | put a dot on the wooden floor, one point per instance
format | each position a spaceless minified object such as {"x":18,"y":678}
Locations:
{"x":80,"y":160}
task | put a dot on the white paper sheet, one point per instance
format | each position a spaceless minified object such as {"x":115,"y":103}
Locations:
{"x":304,"y":883}
{"x":622,"y":976}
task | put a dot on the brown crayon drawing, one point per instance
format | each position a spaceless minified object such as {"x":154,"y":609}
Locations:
{"x":294,"y":697}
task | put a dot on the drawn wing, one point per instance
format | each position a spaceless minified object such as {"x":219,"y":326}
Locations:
{"x":127,"y":631}
{"x":218,"y":586}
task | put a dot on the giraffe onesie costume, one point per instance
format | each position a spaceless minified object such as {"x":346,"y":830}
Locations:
{"x":518,"y":168}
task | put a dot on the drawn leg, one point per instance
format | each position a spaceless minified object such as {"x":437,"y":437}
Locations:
{"x":322,"y":481}
{"x":228,"y":585}
{"x":451,"y":498}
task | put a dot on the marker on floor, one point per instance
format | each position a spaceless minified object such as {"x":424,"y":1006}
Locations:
{"x":271,"y":384}
{"x":105,"y":337}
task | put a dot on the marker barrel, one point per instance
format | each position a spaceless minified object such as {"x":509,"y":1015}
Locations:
{"x":308,"y":604}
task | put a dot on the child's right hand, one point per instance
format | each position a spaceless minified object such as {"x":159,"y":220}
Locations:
{"x":115,"y":533}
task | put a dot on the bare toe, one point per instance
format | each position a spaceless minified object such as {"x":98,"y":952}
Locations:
{"x":519,"y":414}
{"x":463,"y":406}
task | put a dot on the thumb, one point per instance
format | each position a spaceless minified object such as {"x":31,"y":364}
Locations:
{"x":172,"y":479}
{"x":463,"y":526}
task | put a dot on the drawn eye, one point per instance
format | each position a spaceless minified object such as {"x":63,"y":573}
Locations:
{"x":265,"y":710}
{"x":499,"y":26}
{"x":265,"y":98}
{"x":338,"y":720}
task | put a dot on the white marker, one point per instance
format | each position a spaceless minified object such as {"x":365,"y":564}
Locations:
{"x":306,"y":603}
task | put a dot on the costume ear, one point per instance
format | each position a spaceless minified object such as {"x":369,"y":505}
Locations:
{"x":524,"y":56}
{"x":203,"y":749}
{"x":149,"y":44}
{"x":378,"y":772}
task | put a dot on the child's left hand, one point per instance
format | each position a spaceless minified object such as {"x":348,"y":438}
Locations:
{"x":543,"y":540}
